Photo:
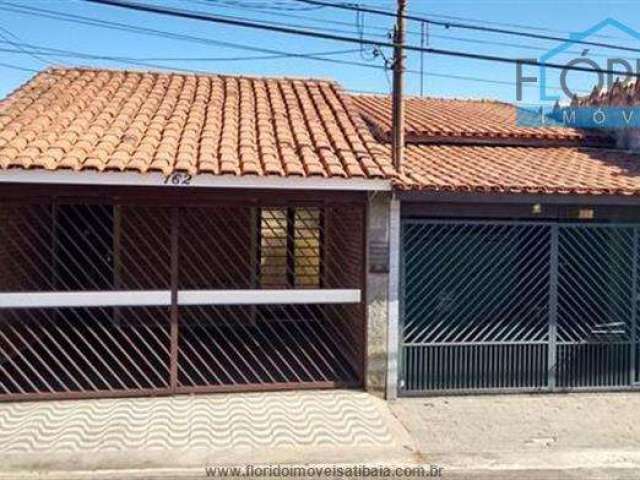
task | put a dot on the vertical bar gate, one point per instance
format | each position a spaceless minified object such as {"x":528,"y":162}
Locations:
{"x":522,"y":306}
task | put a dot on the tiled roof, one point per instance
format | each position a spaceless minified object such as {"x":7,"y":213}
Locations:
{"x":437,"y":159}
{"x":433,"y":119}
{"x":86,"y":119}
{"x":505,"y":169}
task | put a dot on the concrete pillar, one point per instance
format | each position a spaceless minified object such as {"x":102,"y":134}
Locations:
{"x":379,"y":244}
{"x":394,"y":300}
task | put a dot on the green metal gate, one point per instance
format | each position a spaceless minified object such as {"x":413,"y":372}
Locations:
{"x":522,"y":306}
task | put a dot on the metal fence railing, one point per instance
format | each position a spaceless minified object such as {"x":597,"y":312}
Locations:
{"x":518,"y":306}
{"x":111,"y":297}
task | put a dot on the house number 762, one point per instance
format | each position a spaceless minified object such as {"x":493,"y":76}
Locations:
{"x":177,"y":178}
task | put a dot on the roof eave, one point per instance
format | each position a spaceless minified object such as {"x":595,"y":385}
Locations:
{"x":550,"y":197}
{"x":156,"y":179}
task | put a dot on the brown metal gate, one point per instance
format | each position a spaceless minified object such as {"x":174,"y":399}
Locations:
{"x":119,"y":297}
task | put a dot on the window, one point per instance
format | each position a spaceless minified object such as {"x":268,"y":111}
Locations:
{"x":290,"y":247}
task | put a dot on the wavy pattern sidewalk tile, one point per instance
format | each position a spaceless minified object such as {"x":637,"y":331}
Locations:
{"x":211,"y":422}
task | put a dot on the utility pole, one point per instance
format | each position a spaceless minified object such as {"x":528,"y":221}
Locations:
{"x":397,"y":96}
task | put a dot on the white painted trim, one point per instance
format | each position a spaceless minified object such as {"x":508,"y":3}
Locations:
{"x":267,"y":297}
{"x":146,"y":298}
{"x":156,"y":179}
{"x":394,"y":300}
{"x":142,"y":298}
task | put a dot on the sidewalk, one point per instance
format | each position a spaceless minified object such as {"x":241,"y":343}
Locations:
{"x":573,"y":436}
{"x":178,"y":436}
{"x":577,"y":435}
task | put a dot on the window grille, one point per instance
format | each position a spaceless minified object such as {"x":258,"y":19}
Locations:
{"x":290,"y":247}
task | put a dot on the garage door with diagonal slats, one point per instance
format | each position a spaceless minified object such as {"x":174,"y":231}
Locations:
{"x":115,"y":297}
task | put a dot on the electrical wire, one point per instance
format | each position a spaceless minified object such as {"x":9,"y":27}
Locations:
{"x":43,"y":50}
{"x":279,"y":12}
{"x":447,"y":24}
{"x":194,"y":15}
{"x":268,"y":5}
{"x":479,"y":21}
{"x":308,"y":27}
{"x":514,"y":25}
{"x":82,"y":20}
{"x":18,"y":67}
{"x":40,"y":12}
{"x":5,"y":34}
{"x":144,"y":61}
{"x":89,"y":21}
{"x":361,"y":30}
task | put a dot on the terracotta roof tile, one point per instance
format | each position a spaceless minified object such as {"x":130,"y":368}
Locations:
{"x":459,"y":145}
{"x":432,"y":119}
{"x":140,"y":121}
{"x":506,"y":169}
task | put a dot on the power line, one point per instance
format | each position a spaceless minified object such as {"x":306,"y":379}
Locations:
{"x":465,"y":40}
{"x":269,"y":5}
{"x":267,"y":9}
{"x":514,"y":25}
{"x":486,"y":22}
{"x":361,"y":27}
{"x":144,"y":61}
{"x":308,"y":18}
{"x":328,"y":36}
{"x":51,"y":14}
{"x":230,"y":4}
{"x":83,"y":20}
{"x":517,"y":45}
{"x":42,"y":50}
{"x":8,"y":34}
{"x":44,"y":13}
{"x":416,"y":33}
{"x":272,"y":53}
{"x":466,"y":26}
{"x":285,"y":24}
{"x":19,"y":67}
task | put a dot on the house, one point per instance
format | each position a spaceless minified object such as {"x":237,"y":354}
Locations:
{"x":518,"y":252}
{"x":170,"y":233}
{"x":166,"y":233}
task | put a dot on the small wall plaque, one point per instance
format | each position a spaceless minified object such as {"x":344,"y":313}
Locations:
{"x":378,"y":257}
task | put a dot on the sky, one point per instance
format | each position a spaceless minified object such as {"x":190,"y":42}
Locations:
{"x":27,"y":26}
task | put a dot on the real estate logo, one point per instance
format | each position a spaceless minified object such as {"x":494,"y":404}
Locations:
{"x":609,"y":71}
